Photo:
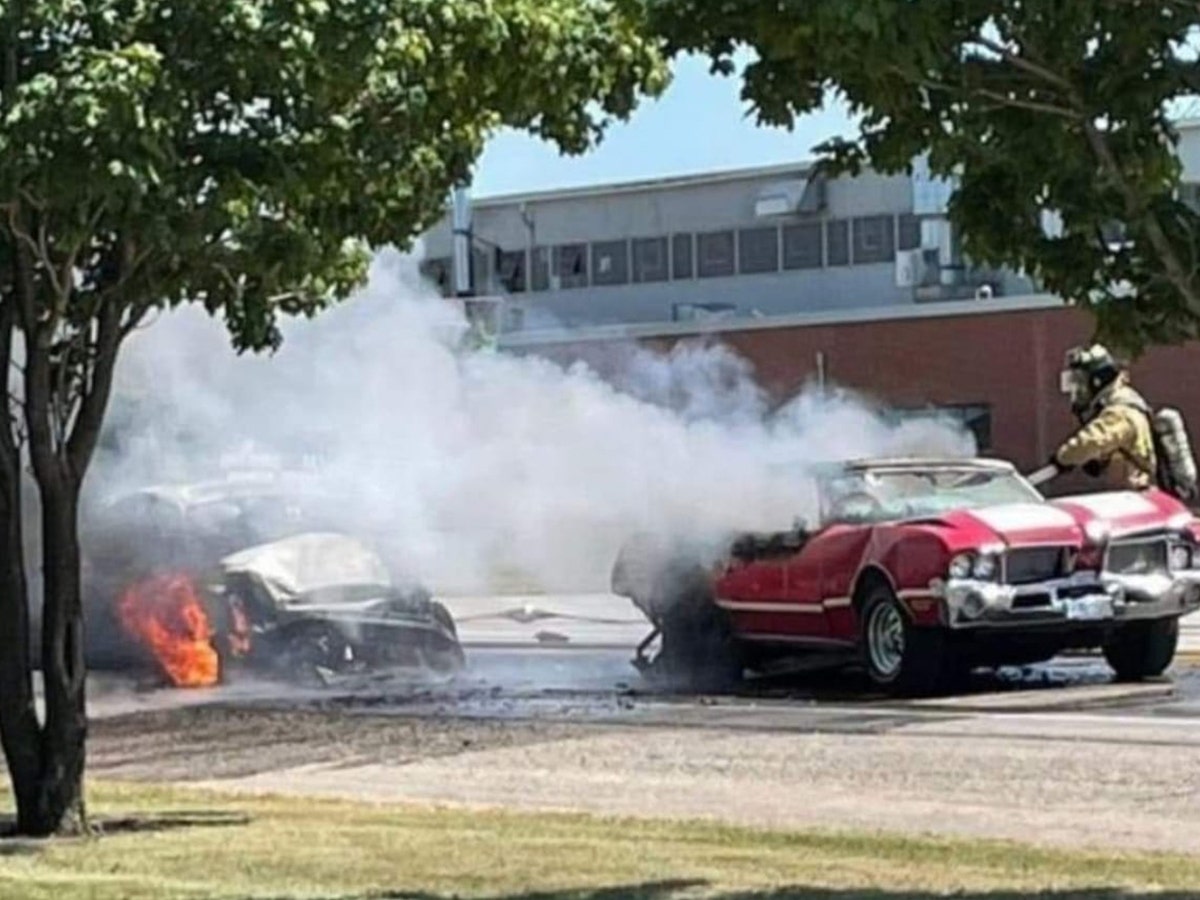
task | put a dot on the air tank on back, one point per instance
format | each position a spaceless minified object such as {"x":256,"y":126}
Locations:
{"x":1180,"y":463}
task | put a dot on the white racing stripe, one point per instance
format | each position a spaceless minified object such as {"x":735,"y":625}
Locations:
{"x":1023,"y":517}
{"x":1114,"y":505}
{"x":753,"y":606}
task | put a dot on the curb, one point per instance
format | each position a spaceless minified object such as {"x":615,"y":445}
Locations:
{"x":1071,"y":698}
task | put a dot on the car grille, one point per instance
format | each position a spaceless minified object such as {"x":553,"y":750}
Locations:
{"x":1027,"y":565}
{"x":1141,"y":557}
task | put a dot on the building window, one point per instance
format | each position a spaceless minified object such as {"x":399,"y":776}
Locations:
{"x":540,"y":269}
{"x":1189,"y":195}
{"x":437,"y":271}
{"x":715,"y":254}
{"x":480,"y":270}
{"x":909,"y":237}
{"x":803,"y":246}
{"x":571,"y":265}
{"x":758,"y":250}
{"x":510,"y":270}
{"x":610,"y":263}
{"x":837,"y":242}
{"x":975,"y":417}
{"x":682,"y":260}
{"x":650,"y":259}
{"x":874,"y":241}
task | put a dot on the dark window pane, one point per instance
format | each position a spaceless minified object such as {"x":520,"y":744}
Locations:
{"x":1189,"y":194}
{"x":682,"y":260}
{"x":837,"y":242}
{"x":610,"y":262}
{"x":975,"y":417}
{"x":510,"y":270}
{"x":650,"y":259}
{"x":437,"y":271}
{"x":758,"y":250}
{"x":571,"y":265}
{"x":979,"y":420}
{"x":910,"y":232}
{"x":480,"y":269}
{"x":802,"y":245}
{"x":541,"y":268}
{"x":715,"y":254}
{"x":874,"y":241}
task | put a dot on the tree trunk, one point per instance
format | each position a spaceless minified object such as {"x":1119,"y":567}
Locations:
{"x":20,"y":732}
{"x":19,"y":729}
{"x":60,"y":807}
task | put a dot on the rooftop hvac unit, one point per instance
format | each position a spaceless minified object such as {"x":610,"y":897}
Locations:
{"x":917,"y":268}
{"x":800,"y":196}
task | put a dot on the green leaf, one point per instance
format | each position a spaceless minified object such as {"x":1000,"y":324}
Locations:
{"x":1013,"y":129}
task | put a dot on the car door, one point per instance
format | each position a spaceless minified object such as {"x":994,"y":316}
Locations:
{"x":839,"y":557}
{"x":771,"y":587}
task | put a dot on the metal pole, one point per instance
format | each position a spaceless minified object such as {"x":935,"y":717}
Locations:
{"x":821,"y":371}
{"x":463,"y":280}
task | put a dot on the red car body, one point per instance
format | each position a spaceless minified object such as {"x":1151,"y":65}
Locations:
{"x":962,"y":580}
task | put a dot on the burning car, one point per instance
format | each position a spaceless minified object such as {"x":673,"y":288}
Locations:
{"x":922,"y":570}
{"x":199,"y":580}
{"x":327,"y":601}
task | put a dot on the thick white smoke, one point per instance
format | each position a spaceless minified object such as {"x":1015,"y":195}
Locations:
{"x":471,"y":470}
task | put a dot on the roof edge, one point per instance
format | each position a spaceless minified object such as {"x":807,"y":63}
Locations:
{"x":799,"y":168}
{"x":867,"y":315}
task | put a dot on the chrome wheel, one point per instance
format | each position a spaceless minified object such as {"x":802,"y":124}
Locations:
{"x":885,"y":639}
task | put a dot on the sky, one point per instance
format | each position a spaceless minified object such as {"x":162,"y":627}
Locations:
{"x":700,"y":124}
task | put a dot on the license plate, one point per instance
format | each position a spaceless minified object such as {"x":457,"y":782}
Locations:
{"x":1089,"y":608}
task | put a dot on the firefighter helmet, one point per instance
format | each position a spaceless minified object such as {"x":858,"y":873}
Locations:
{"x":1089,"y":370}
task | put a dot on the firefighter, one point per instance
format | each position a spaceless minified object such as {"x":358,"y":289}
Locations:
{"x":1115,"y":439}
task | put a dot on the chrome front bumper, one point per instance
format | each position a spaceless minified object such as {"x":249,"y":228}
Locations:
{"x":1083,"y":598}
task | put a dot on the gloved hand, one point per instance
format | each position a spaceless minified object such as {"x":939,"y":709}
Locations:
{"x":1094,"y":468}
{"x":1062,"y":470}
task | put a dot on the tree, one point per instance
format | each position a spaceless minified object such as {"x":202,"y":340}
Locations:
{"x":1031,"y":104}
{"x":243,"y":155}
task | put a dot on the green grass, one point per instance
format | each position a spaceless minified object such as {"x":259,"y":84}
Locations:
{"x":298,"y":848}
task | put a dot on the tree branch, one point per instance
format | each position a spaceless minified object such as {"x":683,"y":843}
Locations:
{"x":86,"y":430}
{"x":1025,"y":64}
{"x":1137,"y":212}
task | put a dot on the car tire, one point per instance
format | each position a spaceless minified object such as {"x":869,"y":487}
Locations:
{"x":899,"y":657}
{"x":1143,"y":649}
{"x":310,"y":646}
{"x":442,"y":655}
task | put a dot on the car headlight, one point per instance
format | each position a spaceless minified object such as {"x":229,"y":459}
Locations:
{"x":961,"y":565}
{"x":985,"y":567}
{"x":1180,"y":557}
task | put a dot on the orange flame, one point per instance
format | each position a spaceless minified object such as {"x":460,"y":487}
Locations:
{"x":166,"y":614}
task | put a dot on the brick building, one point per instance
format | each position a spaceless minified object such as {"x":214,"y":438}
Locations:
{"x":992,"y":363}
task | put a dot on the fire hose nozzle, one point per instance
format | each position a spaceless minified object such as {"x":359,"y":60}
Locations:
{"x":1042,"y":475}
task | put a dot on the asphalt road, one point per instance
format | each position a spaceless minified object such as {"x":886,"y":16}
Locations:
{"x":1055,"y":754}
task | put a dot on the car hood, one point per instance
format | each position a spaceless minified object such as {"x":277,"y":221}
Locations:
{"x":1015,"y":524}
{"x":1118,"y":513}
{"x":1069,"y":521}
{"x":299,"y":568}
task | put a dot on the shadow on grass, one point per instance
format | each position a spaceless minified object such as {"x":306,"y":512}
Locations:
{"x":12,"y":844}
{"x":679,"y":890}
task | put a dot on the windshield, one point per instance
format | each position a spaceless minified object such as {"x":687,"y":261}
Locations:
{"x":886,"y":494}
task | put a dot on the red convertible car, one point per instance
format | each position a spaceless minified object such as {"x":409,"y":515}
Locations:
{"x":923,"y":570}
